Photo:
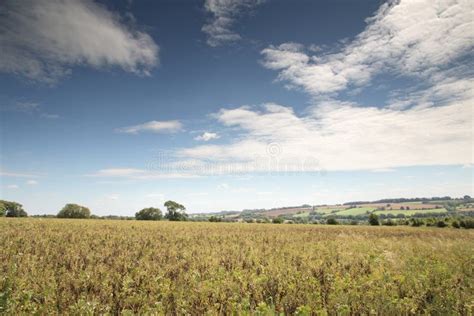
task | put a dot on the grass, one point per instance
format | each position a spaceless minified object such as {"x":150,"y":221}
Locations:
{"x":53,"y":266}
{"x":328,"y":210}
{"x":303,"y":214}
{"x":412,"y":212}
{"x":354,"y":211}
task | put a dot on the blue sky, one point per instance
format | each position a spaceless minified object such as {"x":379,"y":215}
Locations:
{"x":233,"y":104}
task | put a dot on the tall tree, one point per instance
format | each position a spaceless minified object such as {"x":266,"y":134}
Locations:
{"x":12,"y":209}
{"x":373,"y":219}
{"x":149,"y":214}
{"x":175,"y":211}
{"x":74,"y":211}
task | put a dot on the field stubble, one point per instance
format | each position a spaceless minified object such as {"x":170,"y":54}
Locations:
{"x":52,"y":266}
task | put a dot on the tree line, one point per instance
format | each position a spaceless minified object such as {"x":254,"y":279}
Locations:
{"x":174,"y":211}
{"x":177,"y":212}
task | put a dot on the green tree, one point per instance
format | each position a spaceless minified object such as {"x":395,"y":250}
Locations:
{"x":215,"y":219}
{"x":12,"y":209}
{"x":373,"y":219}
{"x":332,"y":221}
{"x":417,"y":222}
{"x":3,"y":209}
{"x":467,"y":223}
{"x":175,"y":211}
{"x":278,"y":220}
{"x":74,"y":211}
{"x":149,"y":214}
{"x":389,"y":222}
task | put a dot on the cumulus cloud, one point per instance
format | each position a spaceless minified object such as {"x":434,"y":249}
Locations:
{"x":224,"y":13}
{"x":429,"y":123}
{"x":413,"y":38}
{"x":207,"y":136}
{"x":153,"y":127}
{"x":43,"y":39}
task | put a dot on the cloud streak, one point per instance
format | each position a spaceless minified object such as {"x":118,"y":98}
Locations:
{"x":153,"y":127}
{"x":43,"y":39}
{"x":5,"y":173}
{"x":138,"y":174}
{"x":224,"y":14}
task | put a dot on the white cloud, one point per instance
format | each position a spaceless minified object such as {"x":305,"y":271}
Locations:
{"x":224,"y":14}
{"x":337,"y":137}
{"x":384,"y":170}
{"x":32,"y":182}
{"x":139,"y":174}
{"x":120,"y":172}
{"x":112,"y":197}
{"x":24,"y":106}
{"x":50,"y":116}
{"x":415,"y":38}
{"x":12,"y":186}
{"x":207,"y":136}
{"x":429,"y":123}
{"x":223,"y":186}
{"x":5,"y":173}
{"x":159,"y":196}
{"x":43,"y":39}
{"x":27,"y":107}
{"x":154,"y":127}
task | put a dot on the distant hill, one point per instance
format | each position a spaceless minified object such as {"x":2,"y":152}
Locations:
{"x":390,"y":208}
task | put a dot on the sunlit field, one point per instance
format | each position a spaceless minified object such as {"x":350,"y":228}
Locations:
{"x":51,"y":266}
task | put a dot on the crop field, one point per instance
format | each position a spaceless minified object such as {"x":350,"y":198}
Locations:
{"x":354,"y":211}
{"x":329,"y":210}
{"x":303,"y":214}
{"x":59,"y":266}
{"x":398,"y":206}
{"x":412,"y":212}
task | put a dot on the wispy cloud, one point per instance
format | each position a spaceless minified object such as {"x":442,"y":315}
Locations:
{"x":153,"y":127}
{"x":27,"y":107}
{"x":412,"y":38}
{"x":32,"y":182}
{"x":22,"y":106}
{"x":159,"y":196}
{"x":139,"y":174}
{"x":430,"y":124}
{"x":224,"y":13}
{"x":338,"y":137}
{"x":112,"y":197}
{"x":50,"y":116}
{"x":12,"y":186}
{"x":383,"y":170}
{"x":5,"y":173}
{"x":207,"y":136}
{"x":42,"y":39}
